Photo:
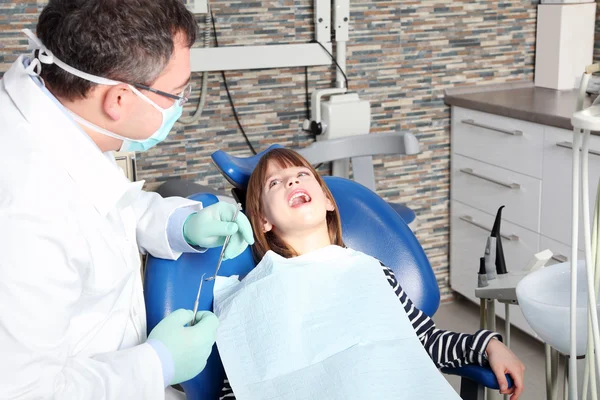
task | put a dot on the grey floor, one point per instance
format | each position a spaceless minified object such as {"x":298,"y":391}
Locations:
{"x":463,"y":316}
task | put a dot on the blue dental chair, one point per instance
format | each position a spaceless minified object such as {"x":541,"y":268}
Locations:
{"x":369,"y":224}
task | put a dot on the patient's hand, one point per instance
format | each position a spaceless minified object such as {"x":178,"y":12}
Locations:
{"x":503,"y":361}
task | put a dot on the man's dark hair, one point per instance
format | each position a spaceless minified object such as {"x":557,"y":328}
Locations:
{"x":124,"y":40}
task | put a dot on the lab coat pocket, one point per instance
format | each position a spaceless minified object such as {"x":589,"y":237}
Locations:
{"x":114,"y":256}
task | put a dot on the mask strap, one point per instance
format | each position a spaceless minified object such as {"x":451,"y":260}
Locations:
{"x":94,"y":127}
{"x":34,"y":68}
{"x":33,"y":41}
{"x":47,"y":57}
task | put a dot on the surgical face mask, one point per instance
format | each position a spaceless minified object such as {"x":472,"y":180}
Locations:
{"x":169,"y":115}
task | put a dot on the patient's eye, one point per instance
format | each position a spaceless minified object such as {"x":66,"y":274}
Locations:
{"x":273,"y":183}
{"x":303,"y":173}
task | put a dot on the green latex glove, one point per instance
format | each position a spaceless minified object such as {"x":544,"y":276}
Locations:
{"x":189,"y":346}
{"x":210,"y":226}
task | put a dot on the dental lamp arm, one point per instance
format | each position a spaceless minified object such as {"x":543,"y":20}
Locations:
{"x":341,"y":18}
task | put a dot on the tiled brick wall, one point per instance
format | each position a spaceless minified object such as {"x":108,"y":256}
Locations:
{"x":402,"y":54}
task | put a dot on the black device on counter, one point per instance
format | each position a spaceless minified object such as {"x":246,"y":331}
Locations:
{"x":500,"y":261}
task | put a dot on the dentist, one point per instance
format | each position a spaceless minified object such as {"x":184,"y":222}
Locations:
{"x":105,"y":75}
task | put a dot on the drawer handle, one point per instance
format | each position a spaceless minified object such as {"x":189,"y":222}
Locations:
{"x":560,"y":258}
{"x":469,"y":171}
{"x":569,"y":145}
{"x":492,"y":128}
{"x":469,"y":219}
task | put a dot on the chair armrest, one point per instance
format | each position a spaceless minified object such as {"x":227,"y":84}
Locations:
{"x":481,"y":375}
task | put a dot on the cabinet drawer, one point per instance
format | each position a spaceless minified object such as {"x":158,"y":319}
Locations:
{"x":506,"y":142}
{"x":487,"y":187}
{"x":562,"y":252}
{"x":556,"y":192}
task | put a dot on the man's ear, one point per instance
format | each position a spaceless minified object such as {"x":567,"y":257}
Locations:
{"x":118,"y":101}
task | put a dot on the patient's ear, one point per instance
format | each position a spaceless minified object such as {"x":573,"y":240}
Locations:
{"x":267,"y":226}
{"x":329,"y":205}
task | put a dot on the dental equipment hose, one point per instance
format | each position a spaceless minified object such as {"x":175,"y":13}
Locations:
{"x":202,"y":101}
{"x":574,"y":243}
{"x":592,"y":314}
{"x":589,"y":376}
{"x":574,"y":234}
{"x":591,"y":255}
{"x":589,"y":370}
{"x":596,"y":258}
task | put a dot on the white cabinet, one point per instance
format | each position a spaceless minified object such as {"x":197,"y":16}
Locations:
{"x":524,"y":166}
{"x":556,"y":194}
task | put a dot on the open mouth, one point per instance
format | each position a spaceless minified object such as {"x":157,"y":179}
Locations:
{"x":299,"y":198}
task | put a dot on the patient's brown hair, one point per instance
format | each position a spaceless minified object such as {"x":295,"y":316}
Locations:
{"x":265,"y":241}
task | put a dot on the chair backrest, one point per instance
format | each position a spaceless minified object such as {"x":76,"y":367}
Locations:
{"x":369,"y":224}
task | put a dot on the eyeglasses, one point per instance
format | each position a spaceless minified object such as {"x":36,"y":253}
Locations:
{"x":182,"y":98}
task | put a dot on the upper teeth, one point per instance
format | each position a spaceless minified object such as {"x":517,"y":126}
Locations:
{"x":296,"y":195}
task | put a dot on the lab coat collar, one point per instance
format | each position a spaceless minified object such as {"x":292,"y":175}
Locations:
{"x":96,"y":173}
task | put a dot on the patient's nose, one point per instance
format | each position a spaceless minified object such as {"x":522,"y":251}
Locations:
{"x":293,"y":180}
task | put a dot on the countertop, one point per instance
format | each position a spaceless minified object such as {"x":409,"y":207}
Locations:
{"x":521,"y":100}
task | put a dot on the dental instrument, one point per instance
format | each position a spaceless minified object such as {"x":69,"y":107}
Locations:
{"x":499,"y":257}
{"x":193,"y":321}
{"x":482,"y":282}
{"x":227,"y":239}
{"x":482,"y":277}
{"x":490,"y":258}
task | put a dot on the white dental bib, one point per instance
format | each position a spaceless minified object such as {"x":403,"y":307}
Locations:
{"x":325,"y":325}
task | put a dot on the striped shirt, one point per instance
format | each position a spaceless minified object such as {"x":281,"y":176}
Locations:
{"x":446,"y":349}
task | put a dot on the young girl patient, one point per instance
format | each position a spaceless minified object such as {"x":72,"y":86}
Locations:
{"x":294,"y":217}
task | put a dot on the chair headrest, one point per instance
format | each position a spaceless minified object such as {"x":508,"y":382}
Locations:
{"x":237,"y":170}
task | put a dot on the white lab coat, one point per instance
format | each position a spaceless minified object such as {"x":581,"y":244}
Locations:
{"x":72,"y":314}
